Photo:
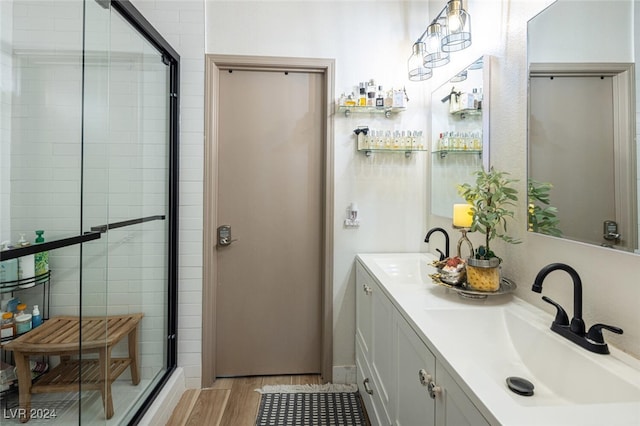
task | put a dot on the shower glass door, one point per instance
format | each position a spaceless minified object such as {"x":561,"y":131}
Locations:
{"x":125,"y":190}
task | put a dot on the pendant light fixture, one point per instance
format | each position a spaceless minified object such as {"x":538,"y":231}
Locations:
{"x":458,"y":27}
{"x":417,"y":70}
{"x":450,"y":31}
{"x":435,"y":56}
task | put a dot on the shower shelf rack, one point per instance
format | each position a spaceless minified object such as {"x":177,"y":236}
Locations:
{"x":25,"y":284}
{"x":43,"y":280}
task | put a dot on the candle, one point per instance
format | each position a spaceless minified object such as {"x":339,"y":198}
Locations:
{"x":462,"y":215}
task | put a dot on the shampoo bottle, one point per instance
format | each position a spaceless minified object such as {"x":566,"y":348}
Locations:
{"x":36,"y":318}
{"x":42,"y":258}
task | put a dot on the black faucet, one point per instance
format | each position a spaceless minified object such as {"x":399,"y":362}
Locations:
{"x":446,"y":241}
{"x":574,"y":331}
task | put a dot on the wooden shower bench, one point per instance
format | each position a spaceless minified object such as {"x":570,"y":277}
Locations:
{"x":61,"y":336}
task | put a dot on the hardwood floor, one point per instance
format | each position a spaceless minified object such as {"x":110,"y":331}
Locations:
{"x":229,"y":402}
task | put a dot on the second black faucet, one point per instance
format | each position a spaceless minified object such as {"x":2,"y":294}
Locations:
{"x":574,"y":331}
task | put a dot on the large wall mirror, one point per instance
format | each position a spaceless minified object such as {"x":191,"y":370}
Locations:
{"x":459,"y":133}
{"x":582,"y":127}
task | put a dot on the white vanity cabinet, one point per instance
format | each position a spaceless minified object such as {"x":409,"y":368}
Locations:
{"x":401,"y":382}
{"x":374,"y":332}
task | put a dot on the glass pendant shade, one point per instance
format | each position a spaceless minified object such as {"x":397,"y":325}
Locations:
{"x":458,"y":27}
{"x":417,"y":70}
{"x":462,"y":76}
{"x":477,"y":65}
{"x":435,"y":56}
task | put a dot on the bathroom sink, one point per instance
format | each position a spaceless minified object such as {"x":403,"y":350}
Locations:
{"x":404,"y":270}
{"x":505,"y":341}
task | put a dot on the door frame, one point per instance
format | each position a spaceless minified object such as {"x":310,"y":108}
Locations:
{"x":213,"y":66}
{"x":624,"y":131}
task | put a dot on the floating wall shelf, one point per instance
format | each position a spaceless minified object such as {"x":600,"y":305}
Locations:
{"x":387,"y":111}
{"x":443,"y":153}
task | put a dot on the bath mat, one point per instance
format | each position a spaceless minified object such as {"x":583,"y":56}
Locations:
{"x":304,"y":405}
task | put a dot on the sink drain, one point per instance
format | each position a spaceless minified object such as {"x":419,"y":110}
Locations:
{"x":520,"y":386}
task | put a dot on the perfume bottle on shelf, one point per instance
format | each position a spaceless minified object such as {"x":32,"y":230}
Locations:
{"x":380,"y":98}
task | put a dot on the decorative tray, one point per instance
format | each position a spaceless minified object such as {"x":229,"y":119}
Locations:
{"x":506,"y":286}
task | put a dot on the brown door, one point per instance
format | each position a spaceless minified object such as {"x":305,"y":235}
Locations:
{"x":270,"y":193}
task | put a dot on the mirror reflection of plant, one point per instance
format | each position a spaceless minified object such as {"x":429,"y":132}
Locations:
{"x":492,"y":199}
{"x":542,"y":218}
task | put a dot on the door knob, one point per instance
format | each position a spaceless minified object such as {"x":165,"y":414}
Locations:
{"x":224,"y":235}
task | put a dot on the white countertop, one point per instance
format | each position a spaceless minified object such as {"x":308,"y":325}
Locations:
{"x":404,"y":278}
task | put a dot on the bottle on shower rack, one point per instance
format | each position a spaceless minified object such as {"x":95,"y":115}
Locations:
{"x":36,"y":317}
{"x":42,"y":258}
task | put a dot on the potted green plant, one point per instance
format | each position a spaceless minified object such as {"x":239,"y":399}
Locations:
{"x":492,"y":199}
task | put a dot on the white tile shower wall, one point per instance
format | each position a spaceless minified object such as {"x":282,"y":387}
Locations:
{"x":181,"y":23}
{"x":6,"y":90}
{"x":46,"y":132}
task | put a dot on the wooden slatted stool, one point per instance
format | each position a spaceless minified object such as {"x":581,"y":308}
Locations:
{"x":62,"y":336}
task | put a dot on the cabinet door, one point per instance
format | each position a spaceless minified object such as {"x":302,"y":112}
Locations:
{"x":453,"y":407}
{"x":382,"y":350}
{"x":366,"y":388}
{"x":364,"y":320}
{"x":373,"y":345}
{"x":414,"y":406}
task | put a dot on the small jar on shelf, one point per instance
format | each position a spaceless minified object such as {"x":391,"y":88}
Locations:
{"x":22,"y":319}
{"x":7,"y":326}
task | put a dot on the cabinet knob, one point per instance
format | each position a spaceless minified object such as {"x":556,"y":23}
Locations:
{"x":433,"y":389}
{"x":427,"y":380}
{"x":424,"y":377}
{"x":367,"y":289}
{"x":367,"y":389}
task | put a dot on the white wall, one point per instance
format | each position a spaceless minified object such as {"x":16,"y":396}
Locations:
{"x":604,"y":22}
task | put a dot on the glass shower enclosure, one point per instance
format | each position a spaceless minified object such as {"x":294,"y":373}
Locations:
{"x":89,"y":155}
